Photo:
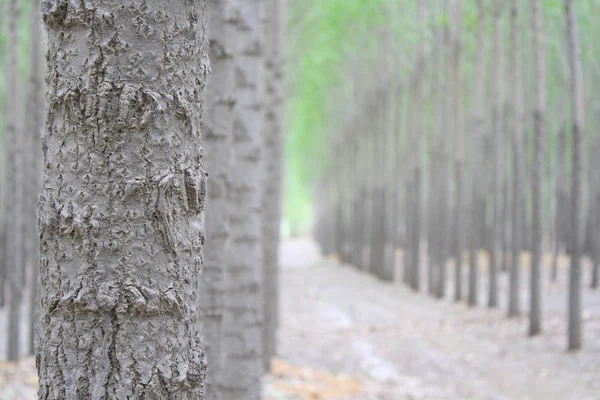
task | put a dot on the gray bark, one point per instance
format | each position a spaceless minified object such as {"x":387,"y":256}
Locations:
{"x":34,"y":124}
{"x":477,"y":135}
{"x":577,"y":210}
{"x":121,"y":214}
{"x":497,"y":111}
{"x":273,"y":132}
{"x":517,"y":127}
{"x":14,"y":189}
{"x":535,"y":310}
{"x":243,"y":319}
{"x":218,"y":141}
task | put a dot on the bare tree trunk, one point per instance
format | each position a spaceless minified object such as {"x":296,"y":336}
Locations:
{"x":577,"y":210}
{"x":477,"y":136}
{"x":122,"y":207}
{"x":535,"y":311}
{"x":560,"y":199}
{"x":34,"y":125}
{"x":498,"y":132}
{"x":220,"y":101}
{"x":14,"y":195}
{"x":595,"y":206}
{"x":243,"y":319}
{"x":517,"y":127}
{"x":277,"y":10}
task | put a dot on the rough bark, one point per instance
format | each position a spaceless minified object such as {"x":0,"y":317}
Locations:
{"x":218,"y":162}
{"x":577,"y":210}
{"x":517,"y":135}
{"x":14,"y":196}
{"x":535,"y":310}
{"x":243,"y":319}
{"x":122,"y":206}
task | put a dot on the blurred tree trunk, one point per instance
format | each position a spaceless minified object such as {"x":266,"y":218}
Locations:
{"x":535,"y":311}
{"x":122,"y":207}
{"x":577,"y":210}
{"x":15,"y":185}
{"x":561,"y":199}
{"x":595,"y":206}
{"x":243,"y":319}
{"x":220,"y":101}
{"x":34,"y":125}
{"x":498,"y":132}
{"x":517,"y":121}
{"x":477,"y":138}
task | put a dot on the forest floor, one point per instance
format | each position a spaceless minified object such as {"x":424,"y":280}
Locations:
{"x":346,"y":335}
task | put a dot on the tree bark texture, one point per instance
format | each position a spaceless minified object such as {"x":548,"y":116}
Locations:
{"x":122,"y":205}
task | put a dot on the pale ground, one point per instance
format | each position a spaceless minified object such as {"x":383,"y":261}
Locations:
{"x":346,"y":335}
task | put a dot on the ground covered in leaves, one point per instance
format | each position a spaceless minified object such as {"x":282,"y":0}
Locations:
{"x":346,"y":335}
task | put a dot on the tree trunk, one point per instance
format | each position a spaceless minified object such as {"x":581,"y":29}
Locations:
{"x":276,"y":11}
{"x":122,"y":206}
{"x":577,"y":211}
{"x":243,"y":319}
{"x":34,"y":123}
{"x":497,"y":111}
{"x":561,"y":204}
{"x":218,"y":161}
{"x":535,"y":311}
{"x":517,"y":127}
{"x":477,"y":135}
{"x":14,"y":190}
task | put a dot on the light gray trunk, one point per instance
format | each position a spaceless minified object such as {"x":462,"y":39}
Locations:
{"x":34,"y":124}
{"x":577,"y":193}
{"x":243,"y":319}
{"x":477,"y":135}
{"x":220,"y":101}
{"x":14,"y":190}
{"x":121,"y":214}
{"x":276,"y":11}
{"x":535,"y":310}
{"x":497,"y":111}
{"x":514,"y":304}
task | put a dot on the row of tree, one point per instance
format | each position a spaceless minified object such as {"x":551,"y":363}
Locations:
{"x":159,"y":211}
{"x":449,"y":148}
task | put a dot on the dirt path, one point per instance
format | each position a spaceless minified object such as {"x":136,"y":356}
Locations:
{"x":346,"y":335}
{"x":395,"y":344}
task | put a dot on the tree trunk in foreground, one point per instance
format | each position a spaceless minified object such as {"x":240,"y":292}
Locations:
{"x":122,"y":206}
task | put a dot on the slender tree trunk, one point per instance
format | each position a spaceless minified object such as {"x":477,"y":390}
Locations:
{"x":14,"y":196}
{"x":577,"y":210}
{"x":514,"y":305}
{"x":477,"y":137}
{"x":276,"y":11}
{"x":34,"y":124}
{"x":122,"y":206}
{"x":560,"y":199}
{"x":535,"y":311}
{"x":498,"y":101}
{"x":595,"y":205}
{"x":218,"y":140}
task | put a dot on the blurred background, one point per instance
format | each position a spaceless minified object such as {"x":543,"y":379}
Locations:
{"x":440,"y":200}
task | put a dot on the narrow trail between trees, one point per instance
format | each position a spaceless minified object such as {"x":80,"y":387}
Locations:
{"x":346,"y":335}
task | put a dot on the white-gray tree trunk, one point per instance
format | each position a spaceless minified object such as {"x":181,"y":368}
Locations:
{"x":218,"y":141}
{"x":121,"y":214}
{"x":243,"y":318}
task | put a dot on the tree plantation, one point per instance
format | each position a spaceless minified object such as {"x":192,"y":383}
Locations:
{"x":299,"y":199}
